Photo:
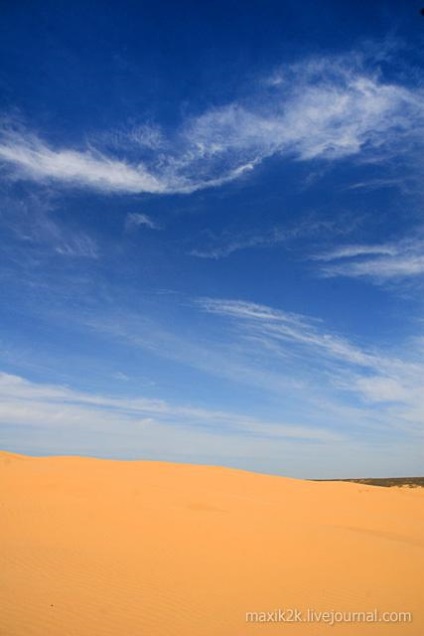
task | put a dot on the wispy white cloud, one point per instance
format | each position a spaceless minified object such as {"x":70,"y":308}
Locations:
{"x":230,"y":243}
{"x":33,"y":404}
{"x":137,"y":219}
{"x":351,"y":251}
{"x":78,"y":245}
{"x":42,"y":418}
{"x":381,"y":263}
{"x":330,"y":109}
{"x":217,"y":358}
{"x":379,"y":184}
{"x":34,"y":221}
{"x":289,"y":327}
{"x":148,"y":136}
{"x":392,"y":381}
{"x":37,"y":161}
{"x":216,"y":247}
{"x":310,"y":373}
{"x":316,"y":385}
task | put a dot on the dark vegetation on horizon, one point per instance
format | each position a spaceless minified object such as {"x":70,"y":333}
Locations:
{"x":387,"y":482}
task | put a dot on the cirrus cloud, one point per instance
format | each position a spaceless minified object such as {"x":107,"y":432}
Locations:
{"x":329,"y":109}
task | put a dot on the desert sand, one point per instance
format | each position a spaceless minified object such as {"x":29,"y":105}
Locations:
{"x":97,"y":547}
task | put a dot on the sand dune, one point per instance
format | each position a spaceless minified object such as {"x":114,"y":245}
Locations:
{"x":94,"y":547}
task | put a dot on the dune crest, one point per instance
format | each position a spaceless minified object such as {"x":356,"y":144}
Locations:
{"x":100,"y":547}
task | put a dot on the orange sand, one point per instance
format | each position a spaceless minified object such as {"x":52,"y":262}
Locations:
{"x":95,"y":547}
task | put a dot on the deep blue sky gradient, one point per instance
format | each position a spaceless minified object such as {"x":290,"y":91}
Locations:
{"x":217,"y":322}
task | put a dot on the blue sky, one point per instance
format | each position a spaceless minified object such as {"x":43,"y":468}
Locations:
{"x":212,"y":233}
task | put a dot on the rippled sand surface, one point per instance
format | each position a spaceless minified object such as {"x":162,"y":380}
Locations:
{"x":97,"y":547}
